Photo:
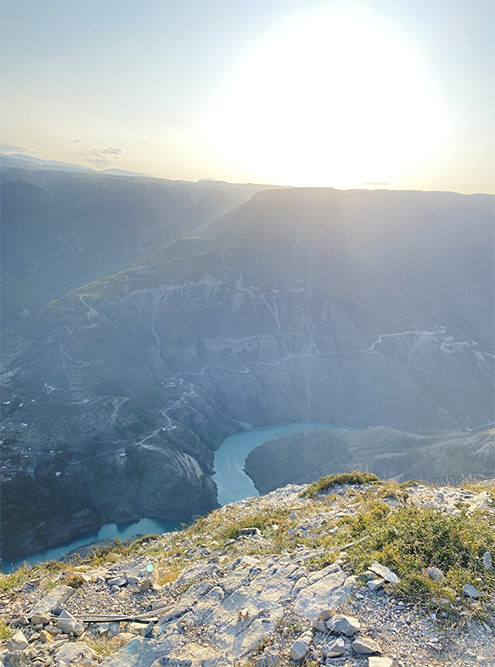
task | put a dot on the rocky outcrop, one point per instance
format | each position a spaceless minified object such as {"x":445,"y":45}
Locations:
{"x":246,"y":601}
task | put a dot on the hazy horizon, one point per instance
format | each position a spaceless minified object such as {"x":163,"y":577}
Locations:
{"x":387,"y":94}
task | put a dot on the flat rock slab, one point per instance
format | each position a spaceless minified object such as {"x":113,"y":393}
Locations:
{"x":472,"y":592}
{"x":334,"y":648}
{"x":375,"y":661}
{"x":75,"y":653}
{"x":366,"y":645}
{"x":139,"y":652}
{"x":327,"y":592}
{"x":344,"y":625}
{"x":384,"y":572}
{"x":52,"y":601}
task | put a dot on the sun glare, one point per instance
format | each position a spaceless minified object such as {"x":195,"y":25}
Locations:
{"x":330,"y":101}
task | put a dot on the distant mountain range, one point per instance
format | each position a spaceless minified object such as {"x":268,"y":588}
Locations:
{"x":361,"y":308}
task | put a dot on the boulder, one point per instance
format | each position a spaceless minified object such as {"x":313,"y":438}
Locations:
{"x":344,"y":625}
{"x":75,"y":653}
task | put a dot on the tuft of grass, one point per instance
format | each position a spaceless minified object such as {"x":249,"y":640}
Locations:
{"x":325,"y":483}
{"x":5,"y":631}
{"x":102,"y":645}
{"x":73,"y":580}
{"x":14,"y":579}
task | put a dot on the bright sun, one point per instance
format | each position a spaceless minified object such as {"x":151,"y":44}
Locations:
{"x":334,"y":101}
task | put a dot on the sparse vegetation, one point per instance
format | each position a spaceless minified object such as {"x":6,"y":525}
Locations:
{"x":102,"y":645}
{"x":14,"y":579}
{"x":325,"y":483}
{"x":5,"y":631}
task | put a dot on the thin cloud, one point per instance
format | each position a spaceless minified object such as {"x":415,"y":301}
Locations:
{"x":12,"y":148}
{"x":101,"y":157}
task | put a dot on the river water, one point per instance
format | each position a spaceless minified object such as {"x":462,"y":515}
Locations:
{"x":231,"y":480}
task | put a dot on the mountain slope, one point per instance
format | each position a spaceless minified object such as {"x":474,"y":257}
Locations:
{"x":63,"y":229}
{"x":386,"y":452}
{"x":356,"y":308}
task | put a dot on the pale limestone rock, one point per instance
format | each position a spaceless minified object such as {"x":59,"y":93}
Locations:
{"x":46,"y":637}
{"x":40,"y":619}
{"x":67,"y":623}
{"x":366,"y":645}
{"x":52,"y":602}
{"x":384,"y":572}
{"x":435,"y":574}
{"x":375,"y":584}
{"x":74,"y":653}
{"x":301,"y":646}
{"x":334,"y":648}
{"x":375,"y":661}
{"x":344,"y":625}
{"x":17,"y":642}
{"x":327,"y":591}
{"x":142,"y":629}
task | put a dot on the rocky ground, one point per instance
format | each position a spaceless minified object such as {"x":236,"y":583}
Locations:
{"x":269,"y":595}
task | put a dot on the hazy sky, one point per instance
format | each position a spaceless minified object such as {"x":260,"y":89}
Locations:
{"x":300,"y":92}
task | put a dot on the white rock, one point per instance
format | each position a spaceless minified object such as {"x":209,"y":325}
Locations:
{"x":435,"y":574}
{"x":384,"y":572}
{"x":51,"y":603}
{"x":366,"y":645}
{"x":344,"y":625}
{"x":67,"y":623}
{"x":379,"y":662}
{"x":375,"y":584}
{"x":17,"y":642}
{"x":74,"y":653}
{"x":333,"y":649}
{"x":301,"y":646}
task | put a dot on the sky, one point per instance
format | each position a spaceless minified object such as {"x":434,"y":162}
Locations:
{"x":394,"y":94}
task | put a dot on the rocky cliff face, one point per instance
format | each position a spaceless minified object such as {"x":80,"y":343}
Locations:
{"x":299,"y":305}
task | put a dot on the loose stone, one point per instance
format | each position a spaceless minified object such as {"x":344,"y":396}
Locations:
{"x":435,"y":574}
{"x":384,"y":572}
{"x":375,"y":661}
{"x":17,"y":642}
{"x":472,"y":592}
{"x":301,"y":646}
{"x":333,"y":649}
{"x":366,"y":645}
{"x":344,"y":625}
